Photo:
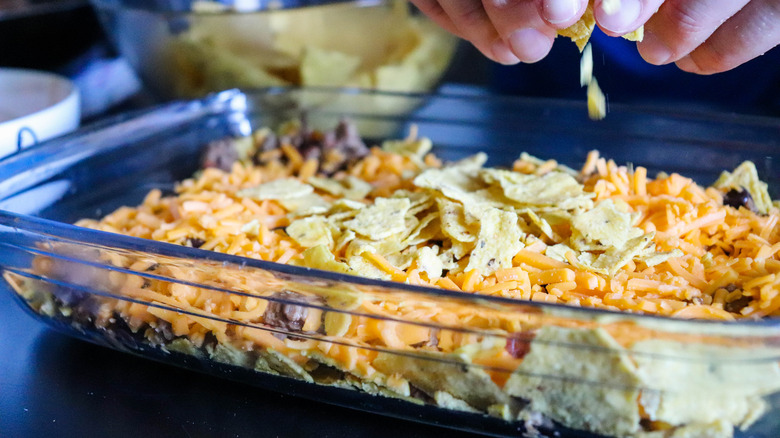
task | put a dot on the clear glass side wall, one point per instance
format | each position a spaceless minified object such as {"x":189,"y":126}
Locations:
{"x":488,"y":354}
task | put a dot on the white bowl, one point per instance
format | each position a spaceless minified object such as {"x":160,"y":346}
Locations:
{"x":35,"y":106}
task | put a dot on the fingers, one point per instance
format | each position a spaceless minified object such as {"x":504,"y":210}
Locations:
{"x":701,"y":36}
{"x":468,"y":20}
{"x":521,"y":28}
{"x":629,"y":16}
{"x":506,"y":31}
{"x":680,"y":26}
{"x":471,"y":22}
{"x":747,"y":34}
{"x":559,"y":14}
{"x":435,"y":12}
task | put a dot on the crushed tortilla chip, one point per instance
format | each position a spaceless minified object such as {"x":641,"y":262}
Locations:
{"x":284,"y":188}
{"x":455,"y":223}
{"x":606,"y":224}
{"x":498,"y":241}
{"x":311,"y":231}
{"x":381,"y":220}
{"x":556,"y":189}
{"x":597,"y":102}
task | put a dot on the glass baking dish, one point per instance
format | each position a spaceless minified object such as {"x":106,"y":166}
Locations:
{"x":566,"y":373}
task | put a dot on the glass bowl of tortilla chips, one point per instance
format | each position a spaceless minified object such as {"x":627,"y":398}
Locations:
{"x":193,"y":47}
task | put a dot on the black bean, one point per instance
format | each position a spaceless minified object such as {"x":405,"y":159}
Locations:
{"x":195,"y":242}
{"x":737,"y":305}
{"x":739,"y":198}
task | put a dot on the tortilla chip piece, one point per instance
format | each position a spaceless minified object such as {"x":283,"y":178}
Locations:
{"x":251,"y":228}
{"x":536,"y":161}
{"x":305,"y":205}
{"x":419,"y":201}
{"x":434,"y":372}
{"x":351,"y":187}
{"x":658,"y":257}
{"x":541,"y":223}
{"x":274,"y":362}
{"x":343,"y":240}
{"x":344,"y":205}
{"x":448,"y":177}
{"x":356,"y":188}
{"x":559,"y":251}
{"x":429,"y":262}
{"x":327,"y":185}
{"x":470,"y":163}
{"x":446,"y":400}
{"x":582,"y":378}
{"x":586,"y":66}
{"x":311,"y":231}
{"x":284,"y":188}
{"x":417,"y":148}
{"x":498,"y":242}
{"x":597,"y":102}
{"x":320,"y":257}
{"x":680,"y":392}
{"x":459,"y":249}
{"x":425,"y":229}
{"x":618,"y":256}
{"x":384,"y":247}
{"x":555,"y":189}
{"x":365,"y":268}
{"x":581,"y":31}
{"x":400,"y":77}
{"x":327,"y":68}
{"x":455,"y":223}
{"x":401,"y":260}
{"x":382,"y":219}
{"x":637,"y":35}
{"x":606,"y":224}
{"x":227,"y":353}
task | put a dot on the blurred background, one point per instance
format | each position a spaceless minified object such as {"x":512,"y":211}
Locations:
{"x":125,"y":54}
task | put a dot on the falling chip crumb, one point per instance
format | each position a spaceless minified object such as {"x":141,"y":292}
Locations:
{"x":597,"y":102}
{"x":586,"y":66}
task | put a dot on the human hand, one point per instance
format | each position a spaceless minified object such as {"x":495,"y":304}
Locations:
{"x":710,"y":36}
{"x":701,"y":36}
{"x":512,"y":31}
{"x":506,"y":31}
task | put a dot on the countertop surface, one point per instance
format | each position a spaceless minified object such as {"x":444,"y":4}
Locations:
{"x":52,"y":385}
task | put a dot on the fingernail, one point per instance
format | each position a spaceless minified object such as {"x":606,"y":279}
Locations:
{"x":559,"y":11}
{"x":529,"y":45}
{"x":653,"y":50}
{"x":503,"y":54}
{"x":686,"y":64}
{"x":623,"y":19}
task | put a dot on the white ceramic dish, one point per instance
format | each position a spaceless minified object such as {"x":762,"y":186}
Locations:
{"x":35,"y":106}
